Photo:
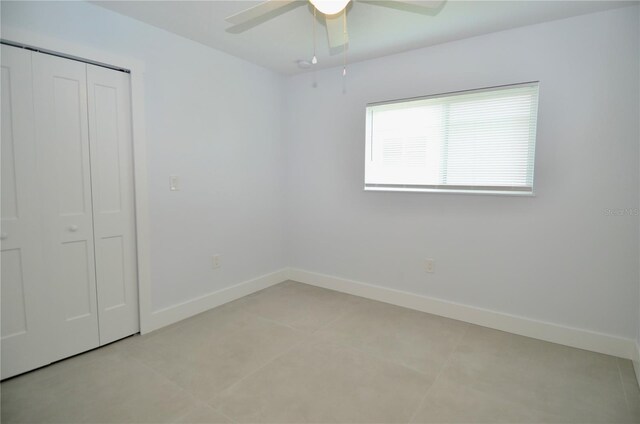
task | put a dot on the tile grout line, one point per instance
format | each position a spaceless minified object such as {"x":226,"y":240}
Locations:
{"x":208,"y":403}
{"x":231,"y":420}
{"x":435,"y":380}
{"x":347,"y":313}
{"x":332,"y":321}
{"x":624,"y":389}
{"x":322,"y":327}
{"x":347,"y":345}
{"x":202,"y":403}
{"x":256,"y":370}
{"x":370,"y":354}
{"x":269,"y":320}
{"x":244,"y":310}
{"x":190,"y":395}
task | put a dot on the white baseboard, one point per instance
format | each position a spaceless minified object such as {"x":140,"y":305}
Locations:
{"x":636,"y":363}
{"x":574,"y":337}
{"x":569,"y":336}
{"x":175,"y":313}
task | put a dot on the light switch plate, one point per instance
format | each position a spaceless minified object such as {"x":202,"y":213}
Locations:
{"x":174,"y":183}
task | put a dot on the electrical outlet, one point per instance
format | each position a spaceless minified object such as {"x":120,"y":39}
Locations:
{"x":215,"y":261}
{"x":429,"y":265}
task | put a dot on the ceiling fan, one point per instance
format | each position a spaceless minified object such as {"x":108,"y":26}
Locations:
{"x":333,"y":10}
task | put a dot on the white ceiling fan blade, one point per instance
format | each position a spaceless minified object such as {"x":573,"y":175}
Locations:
{"x":260,"y":10}
{"x":336,"y":30}
{"x":428,"y":4}
{"x":408,"y":5}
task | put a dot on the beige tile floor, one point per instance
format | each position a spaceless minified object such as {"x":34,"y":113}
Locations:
{"x":296,"y":353}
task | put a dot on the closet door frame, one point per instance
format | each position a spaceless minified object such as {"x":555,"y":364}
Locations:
{"x":136,"y":69}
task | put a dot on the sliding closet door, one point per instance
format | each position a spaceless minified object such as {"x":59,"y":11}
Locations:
{"x":24,"y":290}
{"x":113,"y":202}
{"x":62,"y":135}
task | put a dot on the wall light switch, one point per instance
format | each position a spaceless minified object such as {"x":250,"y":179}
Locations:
{"x":174,"y":183}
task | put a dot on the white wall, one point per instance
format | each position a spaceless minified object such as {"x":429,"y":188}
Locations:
{"x":212,"y":119}
{"x":217,"y":122}
{"x":637,"y":362}
{"x":555,"y":257}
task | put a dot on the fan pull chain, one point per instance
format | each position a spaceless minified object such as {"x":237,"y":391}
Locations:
{"x":314,"y":59}
{"x":344,"y":46}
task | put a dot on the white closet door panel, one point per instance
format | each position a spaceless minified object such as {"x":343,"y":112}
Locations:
{"x":76,"y":277}
{"x":60,"y":99}
{"x":24,"y":288}
{"x":113,"y":202}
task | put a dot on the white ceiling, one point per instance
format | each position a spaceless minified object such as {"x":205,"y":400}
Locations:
{"x":374,"y":31}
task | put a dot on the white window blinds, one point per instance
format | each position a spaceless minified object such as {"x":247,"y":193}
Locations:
{"x":472,"y":141}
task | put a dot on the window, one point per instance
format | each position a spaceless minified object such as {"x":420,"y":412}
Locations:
{"x":479,"y":141}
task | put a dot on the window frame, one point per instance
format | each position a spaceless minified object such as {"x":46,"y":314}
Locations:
{"x":519,"y":191}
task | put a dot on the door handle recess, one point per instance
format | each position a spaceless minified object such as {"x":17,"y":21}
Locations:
{"x":73,"y":228}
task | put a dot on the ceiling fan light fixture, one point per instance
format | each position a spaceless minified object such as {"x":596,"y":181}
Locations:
{"x":330,"y":7}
